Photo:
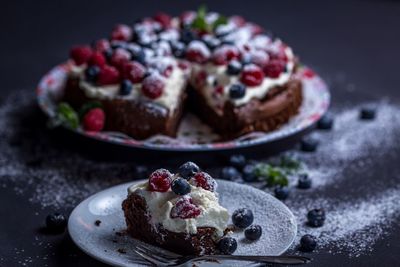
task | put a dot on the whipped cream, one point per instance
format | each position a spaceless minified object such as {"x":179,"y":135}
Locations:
{"x":160,"y":205}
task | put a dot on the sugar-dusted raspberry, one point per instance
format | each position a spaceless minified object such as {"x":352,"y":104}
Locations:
{"x":205,"y":181}
{"x":97,"y":59}
{"x":185,"y":208}
{"x":279,"y":55}
{"x":153,"y":86}
{"x":167,"y":71}
{"x":93,"y":120}
{"x":183,"y":65}
{"x":133,"y":71}
{"x":255,"y":29}
{"x":108,"y":75}
{"x":238,"y":20}
{"x":260,"y":58}
{"x":121,"y":32}
{"x":164,"y":19}
{"x":187,"y":17}
{"x":81,"y":54}
{"x":274,"y":68}
{"x":197,"y":52}
{"x":252,"y":75}
{"x":224,"y":54}
{"x":102,"y":45}
{"x":119,"y":58}
{"x":160,"y":180}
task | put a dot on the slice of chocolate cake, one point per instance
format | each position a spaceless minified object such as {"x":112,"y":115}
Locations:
{"x":177,"y":212}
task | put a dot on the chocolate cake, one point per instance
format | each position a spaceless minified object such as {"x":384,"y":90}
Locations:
{"x":234,"y":76}
{"x":177,"y":212}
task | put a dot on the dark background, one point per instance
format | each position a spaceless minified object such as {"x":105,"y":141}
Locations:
{"x":356,"y":41}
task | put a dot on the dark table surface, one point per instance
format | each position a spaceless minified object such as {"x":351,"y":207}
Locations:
{"x":358,"y":39}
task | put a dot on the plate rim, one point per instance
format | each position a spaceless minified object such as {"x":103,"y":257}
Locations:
{"x":92,"y":254}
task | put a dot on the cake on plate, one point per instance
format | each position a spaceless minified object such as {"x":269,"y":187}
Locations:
{"x":179,"y":212}
{"x":235,"y":76}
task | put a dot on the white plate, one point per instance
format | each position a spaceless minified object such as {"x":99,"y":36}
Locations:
{"x":103,"y":242}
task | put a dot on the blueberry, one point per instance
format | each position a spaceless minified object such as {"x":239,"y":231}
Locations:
{"x":254,"y":232}
{"x":188,"y":169}
{"x":237,"y":161}
{"x":316,"y":217}
{"x":211,"y":42}
{"x":56,"y":222}
{"x":187,"y":36}
{"x":108,"y":53}
{"x":234,"y":67}
{"x":249,"y":173}
{"x":125,"y":87}
{"x":139,"y":56}
{"x":308,"y":243}
{"x":281,"y":192}
{"x":367,"y":113}
{"x":309,"y":144}
{"x":227,"y":245}
{"x":304,"y":181}
{"x":246,"y":59}
{"x":230,"y":173}
{"x":180,"y":186}
{"x":91,"y":73}
{"x":237,"y":91}
{"x":178,"y":49}
{"x":242,"y":218}
{"x":326,"y":122}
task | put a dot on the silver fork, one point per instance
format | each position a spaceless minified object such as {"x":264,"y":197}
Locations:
{"x":160,"y":257}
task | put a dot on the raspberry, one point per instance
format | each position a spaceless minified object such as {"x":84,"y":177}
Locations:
{"x":200,"y":78}
{"x":205,"y":181}
{"x":80,"y":54}
{"x":224,"y":54}
{"x":134,"y":71}
{"x":183,"y":65}
{"x":160,"y":180}
{"x":252,"y":75}
{"x":197,"y":52}
{"x":119,"y":57}
{"x":280,"y":55}
{"x":108,"y":75}
{"x":153,"y":86}
{"x":238,"y":20}
{"x":102,"y":45}
{"x":121,"y":32}
{"x":163,"y":18}
{"x":185,"y":209}
{"x":187,"y":17}
{"x":167,"y":71}
{"x":260,"y":58}
{"x":97,"y":59}
{"x":255,"y":29}
{"x":274,"y":68}
{"x":93,"y":120}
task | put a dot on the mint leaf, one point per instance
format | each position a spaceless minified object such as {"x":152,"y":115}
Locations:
{"x":272,"y":175}
{"x":221,"y":20}
{"x":200,"y":22}
{"x":88,"y":106}
{"x":67,"y":116}
{"x":289,"y":164}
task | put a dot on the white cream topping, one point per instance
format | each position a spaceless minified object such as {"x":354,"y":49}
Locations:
{"x":160,"y":205}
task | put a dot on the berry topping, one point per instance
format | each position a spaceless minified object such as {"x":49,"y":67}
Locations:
{"x":108,"y":75}
{"x":121,"y":32}
{"x":160,"y":180}
{"x":91,"y":73}
{"x":97,"y":59}
{"x":260,"y":58}
{"x":237,"y":161}
{"x":125,"y":87}
{"x":316,"y":217}
{"x":197,"y":52}
{"x":242,"y":218}
{"x":56,"y":222}
{"x":274,"y":68}
{"x":133,"y":71}
{"x":163,"y":18}
{"x":234,"y":67}
{"x":308,"y":243}
{"x":178,"y":49}
{"x":205,"y":181}
{"x":224,"y":54}
{"x":367,"y":113}
{"x":188,"y":170}
{"x":167,"y":71}
{"x":252,"y":75}
{"x":254,"y":232}
{"x":237,"y":91}
{"x":249,"y":174}
{"x":238,"y":20}
{"x":281,"y":192}
{"x":304,"y":181}
{"x":93,"y":120}
{"x":227,"y":245}
{"x":326,"y":122}
{"x":185,"y":209}
{"x":120,"y":57}
{"x":153,"y":86}
{"x":187,"y":36}
{"x":80,"y":54}
{"x":180,"y":186}
{"x":211,"y":41}
{"x":309,"y":144}
{"x":101,"y":45}
{"x":230,"y":173}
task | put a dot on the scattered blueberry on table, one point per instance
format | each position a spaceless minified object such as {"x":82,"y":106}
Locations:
{"x":242,"y":218}
{"x":316,"y":217}
{"x":367,"y":113}
{"x":308,"y":243}
{"x":254,"y":232}
{"x":237,"y":161}
{"x":249,"y":173}
{"x":281,"y":192}
{"x":326,"y":122}
{"x":230,"y":173}
{"x":309,"y":144}
{"x":304,"y":181}
{"x":56,"y":222}
{"x":227,"y":245}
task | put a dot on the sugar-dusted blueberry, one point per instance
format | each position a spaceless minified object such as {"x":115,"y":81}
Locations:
{"x":237,"y":91}
{"x":238,"y":161}
{"x":308,"y":243}
{"x":211,"y":41}
{"x":254,"y":232}
{"x":230,"y":173}
{"x":316,"y":217}
{"x":187,"y":36}
{"x":188,"y":170}
{"x":281,"y":192}
{"x":367,"y":113}
{"x":205,"y":181}
{"x":125,"y":88}
{"x":242,"y":218}
{"x":249,"y":174}
{"x":234,"y":67}
{"x":139,"y":56}
{"x":178,"y":49}
{"x":180,"y":186}
{"x":227,"y":245}
{"x":160,"y":180}
{"x":56,"y":222}
{"x":304,"y":181}
{"x":326,"y":122}
{"x":91,"y":73}
{"x":309,"y":144}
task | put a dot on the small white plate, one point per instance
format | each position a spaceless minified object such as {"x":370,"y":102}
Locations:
{"x":104,"y":242}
